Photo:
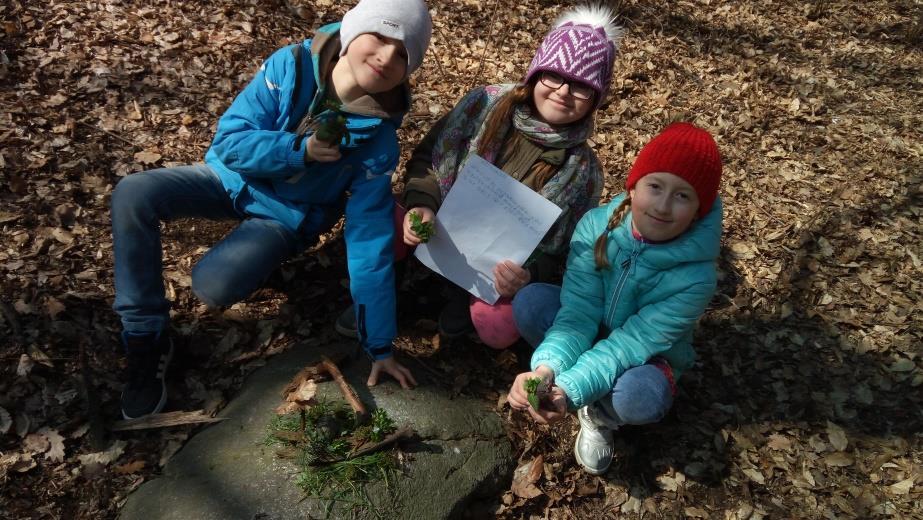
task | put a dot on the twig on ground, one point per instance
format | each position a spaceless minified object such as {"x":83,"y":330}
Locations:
{"x":110,"y":134}
{"x":490,"y":33}
{"x":347,"y":390}
{"x":163,"y":420}
{"x":438,"y":61}
{"x":451,"y":55}
{"x":404,"y":432}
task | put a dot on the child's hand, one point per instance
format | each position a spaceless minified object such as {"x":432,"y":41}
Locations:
{"x":322,"y":151}
{"x":396,"y":370}
{"x":509,"y":278}
{"x":426,"y":215}
{"x":554,"y":407}
{"x":518,"y":398}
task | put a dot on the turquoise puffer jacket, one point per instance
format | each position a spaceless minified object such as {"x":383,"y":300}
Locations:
{"x":649,"y":302}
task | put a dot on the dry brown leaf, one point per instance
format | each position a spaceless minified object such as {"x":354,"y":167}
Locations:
{"x":525,"y":477}
{"x":587,"y":488}
{"x":287,"y":407}
{"x":25,"y":365}
{"x":62,"y":235}
{"x":147,"y":157}
{"x":696,"y":512}
{"x":39,"y":356}
{"x":901,"y":488}
{"x":302,"y":397}
{"x":36,"y":443}
{"x":106,"y":457}
{"x":837,"y":437}
{"x":18,"y":462}
{"x":129,"y":467}
{"x":55,"y":451}
{"x":54,"y":307}
{"x":838,"y":459}
{"x":779,"y":442}
{"x":755,"y":475}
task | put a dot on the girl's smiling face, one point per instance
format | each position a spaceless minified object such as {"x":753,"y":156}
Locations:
{"x":378,"y":63}
{"x":558,"y":106}
{"x":663,"y":206}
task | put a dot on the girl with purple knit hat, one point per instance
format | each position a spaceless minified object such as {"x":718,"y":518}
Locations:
{"x":536,"y":132}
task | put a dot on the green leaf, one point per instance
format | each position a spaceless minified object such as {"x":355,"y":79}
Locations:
{"x":424,"y":230}
{"x":531,"y":386}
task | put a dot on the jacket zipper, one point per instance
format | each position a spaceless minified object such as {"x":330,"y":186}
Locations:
{"x":626,"y":265}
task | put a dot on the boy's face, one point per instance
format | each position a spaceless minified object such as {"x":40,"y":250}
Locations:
{"x":663,"y":206}
{"x":378,"y":63}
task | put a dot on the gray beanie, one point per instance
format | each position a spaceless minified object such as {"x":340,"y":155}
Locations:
{"x":404,"y":20}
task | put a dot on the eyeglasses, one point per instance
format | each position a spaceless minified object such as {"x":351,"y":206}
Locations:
{"x":575,"y":88}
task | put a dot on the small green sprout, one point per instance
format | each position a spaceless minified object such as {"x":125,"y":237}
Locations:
{"x":332,"y":124}
{"x":534,"y":391}
{"x":424,"y":230}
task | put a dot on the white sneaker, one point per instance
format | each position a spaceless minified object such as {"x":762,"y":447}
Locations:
{"x":594,"y":446}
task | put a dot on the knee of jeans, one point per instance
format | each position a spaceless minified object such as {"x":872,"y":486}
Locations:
{"x":524,"y":305}
{"x":642,"y":396}
{"x":520,"y":314}
{"x":128,"y":195}
{"x":213,"y":289}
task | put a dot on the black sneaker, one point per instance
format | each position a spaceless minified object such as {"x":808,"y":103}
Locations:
{"x":346,"y":323}
{"x":148,"y":357}
{"x":455,"y":318}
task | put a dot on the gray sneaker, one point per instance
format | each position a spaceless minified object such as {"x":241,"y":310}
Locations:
{"x":594,"y":446}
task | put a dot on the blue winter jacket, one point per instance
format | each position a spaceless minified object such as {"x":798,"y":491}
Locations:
{"x":260,"y":159}
{"x":648,"y":303}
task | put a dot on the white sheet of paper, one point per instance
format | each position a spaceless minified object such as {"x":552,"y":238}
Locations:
{"x":487,"y":217}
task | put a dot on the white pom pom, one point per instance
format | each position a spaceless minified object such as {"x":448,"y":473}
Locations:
{"x":594,"y":15}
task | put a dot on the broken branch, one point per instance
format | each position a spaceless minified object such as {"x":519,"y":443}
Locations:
{"x":163,"y":420}
{"x":404,"y":432}
{"x":348,"y":392}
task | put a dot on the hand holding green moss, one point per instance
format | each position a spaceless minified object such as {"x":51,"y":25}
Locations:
{"x":534,"y":391}
{"x":331,"y":126}
{"x":424,"y":230}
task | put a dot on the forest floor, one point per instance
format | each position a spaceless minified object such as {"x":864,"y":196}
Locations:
{"x":806,"y":402}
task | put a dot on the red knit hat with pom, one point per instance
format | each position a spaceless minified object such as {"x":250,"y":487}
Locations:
{"x":688,"y":152}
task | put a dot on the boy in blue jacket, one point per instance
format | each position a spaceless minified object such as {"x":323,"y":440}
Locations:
{"x":317,"y":121}
{"x":641,"y":271}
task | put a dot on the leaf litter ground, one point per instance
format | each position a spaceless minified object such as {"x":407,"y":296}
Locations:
{"x":806,"y":401}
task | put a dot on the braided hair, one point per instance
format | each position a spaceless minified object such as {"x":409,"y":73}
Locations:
{"x":602,"y":261}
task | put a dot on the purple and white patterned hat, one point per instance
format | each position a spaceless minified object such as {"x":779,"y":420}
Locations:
{"x":581,"y":47}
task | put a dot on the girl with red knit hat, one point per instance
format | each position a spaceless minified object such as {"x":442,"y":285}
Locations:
{"x":613,"y":340}
{"x":535,"y":131}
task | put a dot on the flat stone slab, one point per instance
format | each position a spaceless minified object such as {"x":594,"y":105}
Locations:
{"x":226,"y":471}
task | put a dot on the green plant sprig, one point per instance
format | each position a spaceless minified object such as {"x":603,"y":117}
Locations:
{"x":331,"y":126}
{"x":328,"y":472}
{"x":534,"y":391}
{"x":424,"y":230}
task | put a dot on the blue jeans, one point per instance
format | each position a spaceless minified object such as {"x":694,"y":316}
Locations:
{"x":641,"y":395}
{"x":228,"y":272}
